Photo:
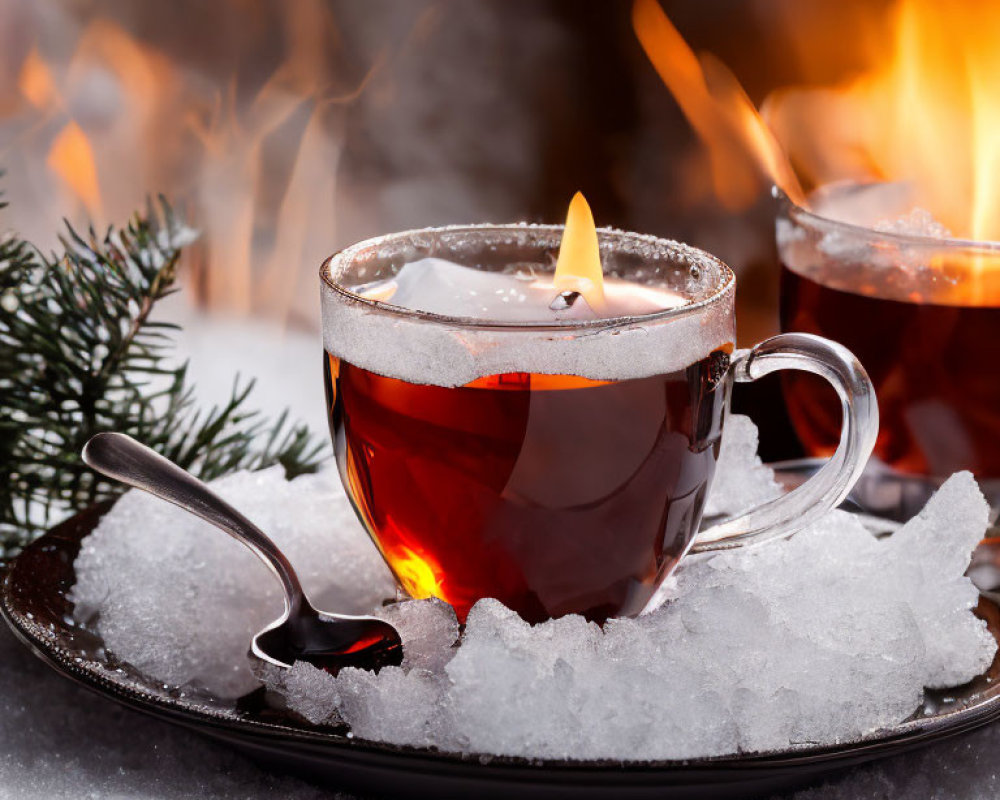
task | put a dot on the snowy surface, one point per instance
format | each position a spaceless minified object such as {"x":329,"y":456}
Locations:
{"x":60,"y":742}
{"x":288,"y":362}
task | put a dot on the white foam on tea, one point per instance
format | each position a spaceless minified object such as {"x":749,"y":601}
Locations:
{"x":821,"y":638}
{"x":401,"y":345}
{"x":443,"y":287}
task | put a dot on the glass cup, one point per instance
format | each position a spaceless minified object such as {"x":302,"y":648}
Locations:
{"x":560,"y":467}
{"x":922,"y":314}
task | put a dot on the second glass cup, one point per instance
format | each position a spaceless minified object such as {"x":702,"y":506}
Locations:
{"x":922,"y":313}
{"x":558,"y":465}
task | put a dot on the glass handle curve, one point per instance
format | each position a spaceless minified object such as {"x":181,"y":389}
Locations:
{"x":830,"y":486}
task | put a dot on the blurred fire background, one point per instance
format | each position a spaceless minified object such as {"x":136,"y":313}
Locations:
{"x":285,"y":130}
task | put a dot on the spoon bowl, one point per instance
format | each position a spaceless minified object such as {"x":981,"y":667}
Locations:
{"x":328,"y":641}
{"x":302,"y":633}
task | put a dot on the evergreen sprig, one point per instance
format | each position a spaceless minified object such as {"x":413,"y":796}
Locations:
{"x":79,"y":355}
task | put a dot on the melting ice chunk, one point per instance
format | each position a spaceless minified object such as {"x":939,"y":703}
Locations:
{"x":443,"y":287}
{"x":428,"y":629}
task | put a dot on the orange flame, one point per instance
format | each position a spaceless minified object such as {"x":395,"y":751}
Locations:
{"x":578,"y":268}
{"x":926,"y":112}
{"x":36,"y":82}
{"x":417,"y":574}
{"x":72,"y":159}
{"x":740,"y":145}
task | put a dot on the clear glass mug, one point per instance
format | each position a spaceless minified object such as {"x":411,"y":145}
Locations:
{"x":560,"y":467}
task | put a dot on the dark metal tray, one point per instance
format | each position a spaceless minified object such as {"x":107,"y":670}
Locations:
{"x":33,"y":602}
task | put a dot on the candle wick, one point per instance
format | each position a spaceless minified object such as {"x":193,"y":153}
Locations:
{"x":564,"y":301}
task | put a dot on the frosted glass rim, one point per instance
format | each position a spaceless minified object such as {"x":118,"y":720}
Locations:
{"x":684,"y":253}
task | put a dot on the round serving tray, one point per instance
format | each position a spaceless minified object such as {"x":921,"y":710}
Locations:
{"x":34,"y":603}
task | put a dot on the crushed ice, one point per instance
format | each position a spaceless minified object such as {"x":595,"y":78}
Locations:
{"x":825,"y":637}
{"x":892,"y":208}
{"x":910,"y":256}
{"x":741,"y":478}
{"x":180,"y":600}
{"x":917,"y":222}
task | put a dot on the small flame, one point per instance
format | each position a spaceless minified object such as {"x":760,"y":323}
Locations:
{"x":578,"y":268}
{"x":740,"y":144}
{"x":72,"y":159}
{"x":416,"y":574}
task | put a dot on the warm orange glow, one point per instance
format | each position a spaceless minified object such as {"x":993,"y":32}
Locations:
{"x":926,"y":111}
{"x":72,"y":159}
{"x":740,"y":145}
{"x":144,"y":75}
{"x":536,"y":382}
{"x":578,"y":268}
{"x":416,"y":574}
{"x":36,"y":82}
{"x":124,"y":92}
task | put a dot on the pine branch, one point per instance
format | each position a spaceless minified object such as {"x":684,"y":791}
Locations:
{"x":79,"y":354}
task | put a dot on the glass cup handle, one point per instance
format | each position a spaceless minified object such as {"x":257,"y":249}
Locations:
{"x":828,"y":487}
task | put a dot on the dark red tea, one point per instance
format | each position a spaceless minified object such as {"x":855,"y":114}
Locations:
{"x":550,"y":493}
{"x":934,"y":368}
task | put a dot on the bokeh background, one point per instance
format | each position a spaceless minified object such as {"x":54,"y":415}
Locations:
{"x":285,"y":130}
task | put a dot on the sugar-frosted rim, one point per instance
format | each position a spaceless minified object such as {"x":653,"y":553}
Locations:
{"x":803,"y":214}
{"x":687,"y":253}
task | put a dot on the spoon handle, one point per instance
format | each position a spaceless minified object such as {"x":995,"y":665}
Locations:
{"x":121,"y":457}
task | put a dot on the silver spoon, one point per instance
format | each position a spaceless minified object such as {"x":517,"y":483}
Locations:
{"x":301,"y":633}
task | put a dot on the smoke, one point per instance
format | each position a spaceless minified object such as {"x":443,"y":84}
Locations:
{"x":282,"y":131}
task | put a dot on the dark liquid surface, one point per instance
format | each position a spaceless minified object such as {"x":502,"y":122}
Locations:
{"x":553,"y":494}
{"x":934,"y":367}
